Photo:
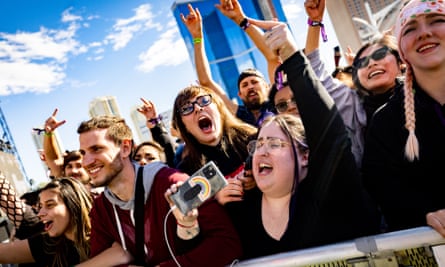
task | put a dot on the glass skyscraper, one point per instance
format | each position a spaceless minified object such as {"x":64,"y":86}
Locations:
{"x":228,"y":47}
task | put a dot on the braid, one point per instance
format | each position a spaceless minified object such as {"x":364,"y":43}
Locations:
{"x":412,"y":145}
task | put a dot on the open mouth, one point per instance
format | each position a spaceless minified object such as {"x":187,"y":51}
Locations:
{"x":47,"y":225}
{"x":205,"y":124}
{"x":252,"y":94}
{"x":264,"y":168}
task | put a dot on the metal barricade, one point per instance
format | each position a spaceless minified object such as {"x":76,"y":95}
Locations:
{"x":412,"y":247}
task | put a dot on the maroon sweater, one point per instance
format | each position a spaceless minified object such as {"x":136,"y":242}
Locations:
{"x":216,"y":245}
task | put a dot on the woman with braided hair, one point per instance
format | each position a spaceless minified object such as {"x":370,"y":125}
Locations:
{"x":402,"y":163}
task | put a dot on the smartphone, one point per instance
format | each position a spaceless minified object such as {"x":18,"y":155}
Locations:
{"x":202,"y":185}
{"x":248,"y":163}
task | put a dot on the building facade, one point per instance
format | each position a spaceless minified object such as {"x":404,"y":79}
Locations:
{"x":356,"y":21}
{"x":228,"y":47}
{"x":105,"y":105}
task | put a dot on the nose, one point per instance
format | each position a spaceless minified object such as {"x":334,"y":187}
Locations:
{"x":143,"y":161}
{"x":41,"y":213}
{"x":197,"y":107}
{"x":424,"y":31}
{"x":262,"y":150}
{"x":87,"y":159}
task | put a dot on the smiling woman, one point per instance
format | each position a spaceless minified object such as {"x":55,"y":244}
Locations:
{"x":64,"y":207}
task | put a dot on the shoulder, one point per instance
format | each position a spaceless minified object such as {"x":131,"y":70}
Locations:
{"x":168,"y":176}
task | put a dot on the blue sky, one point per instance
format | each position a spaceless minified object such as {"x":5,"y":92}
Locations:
{"x":63,"y":54}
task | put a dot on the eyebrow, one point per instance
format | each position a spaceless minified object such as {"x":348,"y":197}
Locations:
{"x":49,"y":201}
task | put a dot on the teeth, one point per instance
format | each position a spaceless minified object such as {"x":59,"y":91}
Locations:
{"x":372,"y":74}
{"x":425,"y":47}
{"x":92,"y":171}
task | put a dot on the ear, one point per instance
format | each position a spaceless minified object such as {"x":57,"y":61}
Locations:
{"x":126,"y":148}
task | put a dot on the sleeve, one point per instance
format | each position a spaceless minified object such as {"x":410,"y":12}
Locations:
{"x":100,"y":238}
{"x":161,"y":136}
{"x":319,"y":113}
{"x":348,"y":102}
{"x":36,"y":245}
{"x":219,"y":243}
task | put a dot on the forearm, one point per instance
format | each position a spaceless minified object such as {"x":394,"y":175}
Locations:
{"x":204,"y":75}
{"x":312,"y":39}
{"x":160,"y":135}
{"x":53,"y":157}
{"x":113,"y":256}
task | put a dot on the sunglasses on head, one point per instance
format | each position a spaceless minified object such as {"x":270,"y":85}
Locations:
{"x":376,"y":55}
{"x":189,"y":107}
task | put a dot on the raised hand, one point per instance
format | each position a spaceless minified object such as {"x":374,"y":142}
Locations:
{"x":147,"y":109}
{"x":231,"y":9}
{"x":193,"y":22}
{"x":279,"y":39}
{"x":51,"y":124}
{"x":315,"y":9}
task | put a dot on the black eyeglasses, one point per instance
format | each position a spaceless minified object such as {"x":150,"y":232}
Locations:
{"x":376,"y":55}
{"x":189,"y":107}
{"x":284,"y":105}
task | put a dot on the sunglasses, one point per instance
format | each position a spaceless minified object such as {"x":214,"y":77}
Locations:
{"x":376,"y":55}
{"x":189,"y":107}
{"x":284,"y":105}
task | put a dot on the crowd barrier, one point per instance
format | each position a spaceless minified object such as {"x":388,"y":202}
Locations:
{"x":416,"y":247}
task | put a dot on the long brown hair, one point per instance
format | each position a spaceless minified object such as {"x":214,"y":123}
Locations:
{"x":78,"y":203}
{"x":236,"y":133}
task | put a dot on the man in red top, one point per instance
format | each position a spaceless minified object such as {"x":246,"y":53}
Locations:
{"x":208,"y":240}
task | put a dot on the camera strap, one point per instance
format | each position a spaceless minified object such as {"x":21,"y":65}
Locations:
{"x":139,"y":204}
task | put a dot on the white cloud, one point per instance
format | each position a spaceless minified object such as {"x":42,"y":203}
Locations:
{"x":23,"y":76}
{"x":68,"y":17}
{"x":35,"y":61}
{"x":125,"y":29}
{"x":168,"y":50}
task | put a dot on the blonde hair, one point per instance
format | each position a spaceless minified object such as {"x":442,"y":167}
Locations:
{"x":412,"y":144}
{"x":411,"y":10}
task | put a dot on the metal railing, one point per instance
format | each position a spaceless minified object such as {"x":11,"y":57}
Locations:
{"x":412,"y":247}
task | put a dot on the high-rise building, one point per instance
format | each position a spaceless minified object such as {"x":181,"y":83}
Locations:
{"x":141,"y":130}
{"x":37,"y":136}
{"x":228,"y":47}
{"x":105,"y":105}
{"x":356,"y":21}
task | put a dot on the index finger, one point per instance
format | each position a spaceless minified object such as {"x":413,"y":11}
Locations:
{"x":55,"y":112}
{"x":144,"y":101}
